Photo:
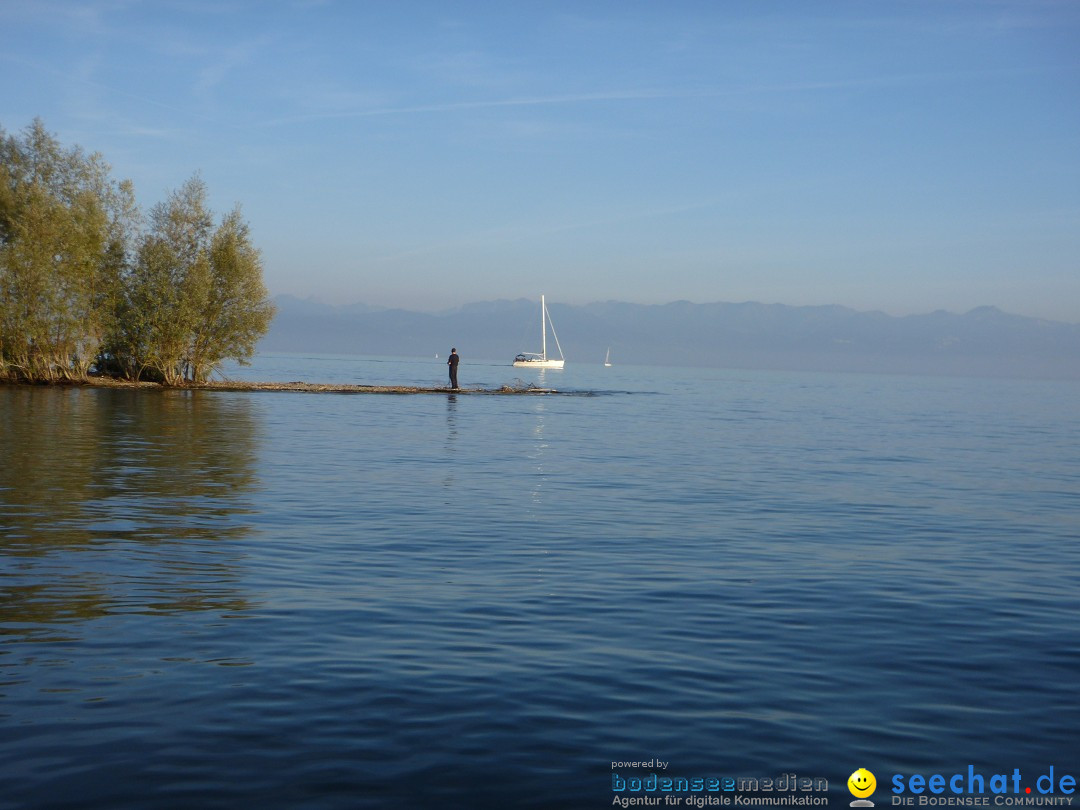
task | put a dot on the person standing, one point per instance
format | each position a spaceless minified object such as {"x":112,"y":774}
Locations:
{"x":452,"y":362}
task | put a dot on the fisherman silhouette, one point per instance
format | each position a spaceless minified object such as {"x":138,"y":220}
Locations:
{"x":453,"y":363}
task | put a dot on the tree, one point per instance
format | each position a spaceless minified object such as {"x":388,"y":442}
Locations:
{"x":238,"y":311}
{"x":164,"y":288}
{"x":64,"y":228}
{"x":194,"y":295}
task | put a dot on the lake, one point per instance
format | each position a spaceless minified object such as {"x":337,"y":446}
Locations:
{"x":285,"y":600}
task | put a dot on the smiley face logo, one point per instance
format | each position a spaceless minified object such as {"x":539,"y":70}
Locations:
{"x":861,"y":783}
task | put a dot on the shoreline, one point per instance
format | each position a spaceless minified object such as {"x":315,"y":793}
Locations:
{"x":296,"y":386}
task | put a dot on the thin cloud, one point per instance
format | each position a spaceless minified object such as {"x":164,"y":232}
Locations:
{"x":605,"y":96}
{"x":457,"y":106}
{"x":87,"y":82}
{"x":229,"y":60}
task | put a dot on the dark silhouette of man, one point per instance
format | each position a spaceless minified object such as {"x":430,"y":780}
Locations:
{"x":452,"y":362}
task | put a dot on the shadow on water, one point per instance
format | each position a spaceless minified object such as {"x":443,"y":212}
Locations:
{"x":118,"y":502}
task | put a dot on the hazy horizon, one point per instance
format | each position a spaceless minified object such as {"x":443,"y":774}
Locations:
{"x":985,"y":341}
{"x":314,"y":299}
{"x":894,"y":157}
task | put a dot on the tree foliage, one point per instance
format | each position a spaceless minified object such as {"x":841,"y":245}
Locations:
{"x":194,"y":295}
{"x":64,"y":229}
{"x":85,"y":282}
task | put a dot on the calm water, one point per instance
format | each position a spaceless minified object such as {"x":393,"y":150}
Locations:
{"x":283,"y":600}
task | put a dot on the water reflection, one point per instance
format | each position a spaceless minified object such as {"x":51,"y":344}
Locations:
{"x":543,"y":374}
{"x":545,"y":378}
{"x":117,"y":502}
{"x":538,"y":452}
{"x":451,"y":438}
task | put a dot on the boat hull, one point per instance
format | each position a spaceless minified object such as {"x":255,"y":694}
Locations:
{"x":539,"y":363}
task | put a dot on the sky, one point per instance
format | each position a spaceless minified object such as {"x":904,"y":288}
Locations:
{"x":892,"y":155}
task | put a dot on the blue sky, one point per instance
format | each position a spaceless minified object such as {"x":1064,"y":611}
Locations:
{"x":899,"y":156}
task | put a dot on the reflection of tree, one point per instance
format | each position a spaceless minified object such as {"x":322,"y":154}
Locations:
{"x":117,"y":501}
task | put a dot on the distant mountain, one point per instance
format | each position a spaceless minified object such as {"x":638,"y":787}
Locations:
{"x":984,"y":341}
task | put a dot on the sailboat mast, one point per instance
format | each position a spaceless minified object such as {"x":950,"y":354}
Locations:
{"x":543,"y":328}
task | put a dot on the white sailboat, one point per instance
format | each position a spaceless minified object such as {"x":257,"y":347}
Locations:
{"x":607,"y":357}
{"x":533,"y":360}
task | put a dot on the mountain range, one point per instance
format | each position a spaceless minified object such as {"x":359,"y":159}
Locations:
{"x":982,"y":342}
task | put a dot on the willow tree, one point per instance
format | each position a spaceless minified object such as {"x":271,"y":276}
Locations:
{"x":237,"y":311}
{"x":194,"y":295}
{"x":64,"y":228}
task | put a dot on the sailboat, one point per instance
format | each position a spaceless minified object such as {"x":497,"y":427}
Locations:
{"x":533,"y":360}
{"x":607,"y":357}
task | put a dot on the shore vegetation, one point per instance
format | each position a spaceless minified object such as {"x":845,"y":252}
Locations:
{"x":91,"y":286}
